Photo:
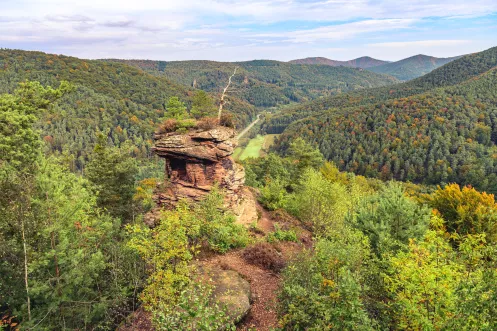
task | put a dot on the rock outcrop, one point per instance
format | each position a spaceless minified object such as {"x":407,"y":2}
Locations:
{"x":195,"y":162}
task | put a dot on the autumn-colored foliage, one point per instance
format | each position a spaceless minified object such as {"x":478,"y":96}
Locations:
{"x":466,"y":211}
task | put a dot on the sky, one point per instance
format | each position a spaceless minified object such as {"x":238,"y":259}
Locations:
{"x":240,"y":30}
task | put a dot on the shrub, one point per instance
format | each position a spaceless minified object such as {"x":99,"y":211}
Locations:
{"x":169,"y":125}
{"x":169,"y":249}
{"x":322,"y":289}
{"x":273,"y":195}
{"x":219,"y":227}
{"x":195,"y":310}
{"x":466,"y":211}
{"x":228,"y":120}
{"x":281,"y":235}
{"x":184,"y":125}
{"x":265,"y":256}
{"x":390,"y":219}
{"x":207,"y":123}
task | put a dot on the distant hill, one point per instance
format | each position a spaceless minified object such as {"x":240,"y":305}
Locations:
{"x":412,"y":67}
{"x":265,"y":83}
{"x":438,"y":128}
{"x":120,"y":100}
{"x":455,"y":72}
{"x":361,"y":62}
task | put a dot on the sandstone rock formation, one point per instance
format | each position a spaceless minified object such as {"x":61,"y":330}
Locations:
{"x":195,"y":162}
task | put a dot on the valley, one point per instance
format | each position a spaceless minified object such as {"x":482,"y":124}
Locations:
{"x":309,"y":194}
{"x":256,"y":147}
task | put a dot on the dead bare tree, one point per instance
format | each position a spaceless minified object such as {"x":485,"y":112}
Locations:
{"x":225,"y":91}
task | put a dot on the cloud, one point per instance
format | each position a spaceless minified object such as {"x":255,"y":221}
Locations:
{"x":240,"y":29}
{"x":68,"y":18}
{"x":341,"y":31}
{"x":421,"y":43}
{"x":119,"y":24}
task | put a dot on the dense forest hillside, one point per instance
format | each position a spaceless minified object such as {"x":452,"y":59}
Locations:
{"x":412,"y":67}
{"x":265,"y":83}
{"x":444,"y":134}
{"x":361,"y":62}
{"x":121,"y":100}
{"x":454,"y":72}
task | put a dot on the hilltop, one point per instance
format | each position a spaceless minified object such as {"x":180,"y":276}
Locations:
{"x":265,"y":83}
{"x":412,"y":67}
{"x":361,"y":62}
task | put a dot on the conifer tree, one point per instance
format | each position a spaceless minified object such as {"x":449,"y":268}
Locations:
{"x":112,"y":172}
{"x":202,"y":105}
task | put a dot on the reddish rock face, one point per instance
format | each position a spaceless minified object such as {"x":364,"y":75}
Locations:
{"x":195,"y":162}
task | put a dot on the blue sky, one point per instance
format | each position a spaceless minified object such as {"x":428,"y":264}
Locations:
{"x":237,"y":30}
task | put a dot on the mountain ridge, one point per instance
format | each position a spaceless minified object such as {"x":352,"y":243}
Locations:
{"x":360,"y":62}
{"x":413,"y":66}
{"x":265,"y":83}
{"x":438,"y":128}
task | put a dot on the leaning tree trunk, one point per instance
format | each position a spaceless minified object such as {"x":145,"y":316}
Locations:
{"x":225,"y":91}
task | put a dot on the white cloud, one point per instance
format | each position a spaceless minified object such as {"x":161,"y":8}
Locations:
{"x":340,"y":31}
{"x":214,"y":29}
{"x":421,"y":43}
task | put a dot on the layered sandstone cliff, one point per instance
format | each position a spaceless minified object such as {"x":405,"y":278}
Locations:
{"x":195,"y":162}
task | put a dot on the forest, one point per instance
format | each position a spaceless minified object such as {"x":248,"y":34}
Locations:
{"x":265,"y":83}
{"x":444,"y":135}
{"x":123,"y":101}
{"x":375,"y":211}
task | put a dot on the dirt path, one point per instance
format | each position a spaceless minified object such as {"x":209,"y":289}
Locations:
{"x":250,"y":126}
{"x":264,"y":286}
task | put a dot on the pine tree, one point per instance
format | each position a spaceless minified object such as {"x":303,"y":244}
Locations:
{"x":202,"y":105}
{"x":176,"y":109}
{"x":112,"y":173}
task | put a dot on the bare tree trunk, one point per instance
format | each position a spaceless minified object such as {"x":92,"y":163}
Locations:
{"x":26,"y":267}
{"x":52,"y":245}
{"x":221,"y":104}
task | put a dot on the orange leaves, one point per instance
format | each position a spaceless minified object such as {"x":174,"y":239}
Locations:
{"x":48,"y":139}
{"x":134,"y":119}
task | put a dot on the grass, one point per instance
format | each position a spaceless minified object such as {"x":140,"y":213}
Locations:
{"x":256,"y":147}
{"x":253,"y":148}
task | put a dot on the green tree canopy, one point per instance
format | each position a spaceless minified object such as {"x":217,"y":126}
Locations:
{"x":390,"y":218}
{"x":202,"y":105}
{"x":176,"y":109}
{"x":113,"y":172}
{"x":305,"y":155}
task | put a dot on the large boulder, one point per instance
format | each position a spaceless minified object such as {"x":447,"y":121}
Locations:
{"x":230,"y":290}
